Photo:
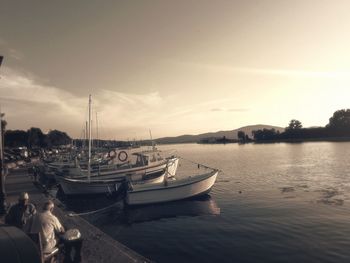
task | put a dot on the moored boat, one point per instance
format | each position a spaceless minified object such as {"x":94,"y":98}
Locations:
{"x":140,"y":163}
{"x":171,"y":189}
{"x":71,"y":186}
{"x":106,"y":183}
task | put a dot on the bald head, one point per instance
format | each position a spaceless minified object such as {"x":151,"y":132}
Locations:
{"x":48,"y":205}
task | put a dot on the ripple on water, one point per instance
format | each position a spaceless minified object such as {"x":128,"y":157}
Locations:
{"x":330,"y":196}
{"x":294,"y":212}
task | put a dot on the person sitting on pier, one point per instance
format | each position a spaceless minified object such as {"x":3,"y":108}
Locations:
{"x":47,"y":225}
{"x":20,"y":213}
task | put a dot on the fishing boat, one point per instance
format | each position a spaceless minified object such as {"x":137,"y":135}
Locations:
{"x":71,"y":186}
{"x":171,"y":189}
{"x":148,"y":166}
{"x":139,"y":163}
{"x":111,"y":180}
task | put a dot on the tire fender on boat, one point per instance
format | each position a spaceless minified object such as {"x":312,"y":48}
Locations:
{"x":112,"y":154}
{"x":122,"y":156}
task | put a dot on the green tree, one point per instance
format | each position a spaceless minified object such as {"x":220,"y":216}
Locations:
{"x":294,"y":125}
{"x":16,"y":138}
{"x":36,"y":138}
{"x":340,"y":120}
{"x":55,"y":138}
{"x":241,"y":135}
{"x":265,"y":134}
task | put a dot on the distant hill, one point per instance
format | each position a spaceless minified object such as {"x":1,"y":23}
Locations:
{"x":228,"y":134}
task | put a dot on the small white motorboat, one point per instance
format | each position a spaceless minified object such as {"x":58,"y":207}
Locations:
{"x":171,"y":189}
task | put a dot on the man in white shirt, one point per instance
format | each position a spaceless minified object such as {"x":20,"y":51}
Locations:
{"x":47,"y":225}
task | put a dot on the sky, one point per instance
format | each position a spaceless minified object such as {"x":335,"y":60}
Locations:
{"x":172,"y":67}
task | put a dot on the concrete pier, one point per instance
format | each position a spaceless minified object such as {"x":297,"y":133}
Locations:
{"x":97,"y":245}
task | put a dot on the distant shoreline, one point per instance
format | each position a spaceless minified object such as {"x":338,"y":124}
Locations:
{"x":325,"y":139}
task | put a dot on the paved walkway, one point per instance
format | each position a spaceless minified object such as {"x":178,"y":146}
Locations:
{"x":97,"y":246}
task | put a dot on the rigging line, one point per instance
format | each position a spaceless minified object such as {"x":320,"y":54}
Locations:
{"x":199,"y":164}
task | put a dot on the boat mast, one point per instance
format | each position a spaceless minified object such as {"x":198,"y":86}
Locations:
{"x":153,"y":146}
{"x":1,"y":140}
{"x":86,"y":135}
{"x":89,"y":160}
{"x":97,"y":144}
{"x":3,"y":204}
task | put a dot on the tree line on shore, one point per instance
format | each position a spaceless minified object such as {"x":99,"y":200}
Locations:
{"x":35,"y":138}
{"x":338,"y":127}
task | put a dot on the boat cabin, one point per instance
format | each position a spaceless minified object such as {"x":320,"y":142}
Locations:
{"x":147,"y":158}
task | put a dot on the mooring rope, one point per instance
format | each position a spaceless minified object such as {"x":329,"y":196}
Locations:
{"x":112,"y":205}
{"x":94,"y":211}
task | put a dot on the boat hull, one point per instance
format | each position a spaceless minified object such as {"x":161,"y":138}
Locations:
{"x":134,"y":173}
{"x":79,"y":187}
{"x":172,"y":190}
{"x":110,"y":184}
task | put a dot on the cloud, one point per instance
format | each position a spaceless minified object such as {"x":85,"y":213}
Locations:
{"x":238,"y":110}
{"x":267,"y":71}
{"x":28,"y":103}
{"x":230,"y":110}
{"x":293,"y":73}
{"x":17,"y":86}
{"x":15,"y":54}
{"x":10,"y":51}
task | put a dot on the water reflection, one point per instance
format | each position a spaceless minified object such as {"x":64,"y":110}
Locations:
{"x":88,"y":204}
{"x":204,"y":205}
{"x":293,"y":207}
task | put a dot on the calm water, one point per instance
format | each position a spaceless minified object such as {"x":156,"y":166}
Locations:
{"x":272,"y":203}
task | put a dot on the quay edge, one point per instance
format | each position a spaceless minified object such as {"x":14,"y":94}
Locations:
{"x":97,"y":245}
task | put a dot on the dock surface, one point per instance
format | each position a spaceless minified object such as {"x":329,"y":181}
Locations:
{"x":97,"y":245}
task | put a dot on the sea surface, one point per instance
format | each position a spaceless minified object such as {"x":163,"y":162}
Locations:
{"x":277,"y":202}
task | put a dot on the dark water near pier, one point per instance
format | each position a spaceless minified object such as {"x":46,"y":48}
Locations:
{"x":272,"y":203}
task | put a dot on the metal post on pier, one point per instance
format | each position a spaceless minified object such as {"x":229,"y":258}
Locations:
{"x":3,"y":204}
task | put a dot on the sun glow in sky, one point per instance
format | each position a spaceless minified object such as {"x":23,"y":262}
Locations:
{"x":175,"y":67}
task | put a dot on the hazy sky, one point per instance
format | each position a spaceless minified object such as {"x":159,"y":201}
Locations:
{"x":175,"y":67}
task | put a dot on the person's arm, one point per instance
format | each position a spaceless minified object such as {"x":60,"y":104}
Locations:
{"x":9,"y":217}
{"x":28,"y":225}
{"x":32,"y":209}
{"x":58,"y":227}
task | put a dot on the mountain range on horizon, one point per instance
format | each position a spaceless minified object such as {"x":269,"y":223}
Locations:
{"x":231,"y":134}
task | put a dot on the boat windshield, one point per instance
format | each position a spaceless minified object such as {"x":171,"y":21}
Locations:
{"x":155,"y":157}
{"x":141,"y":160}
